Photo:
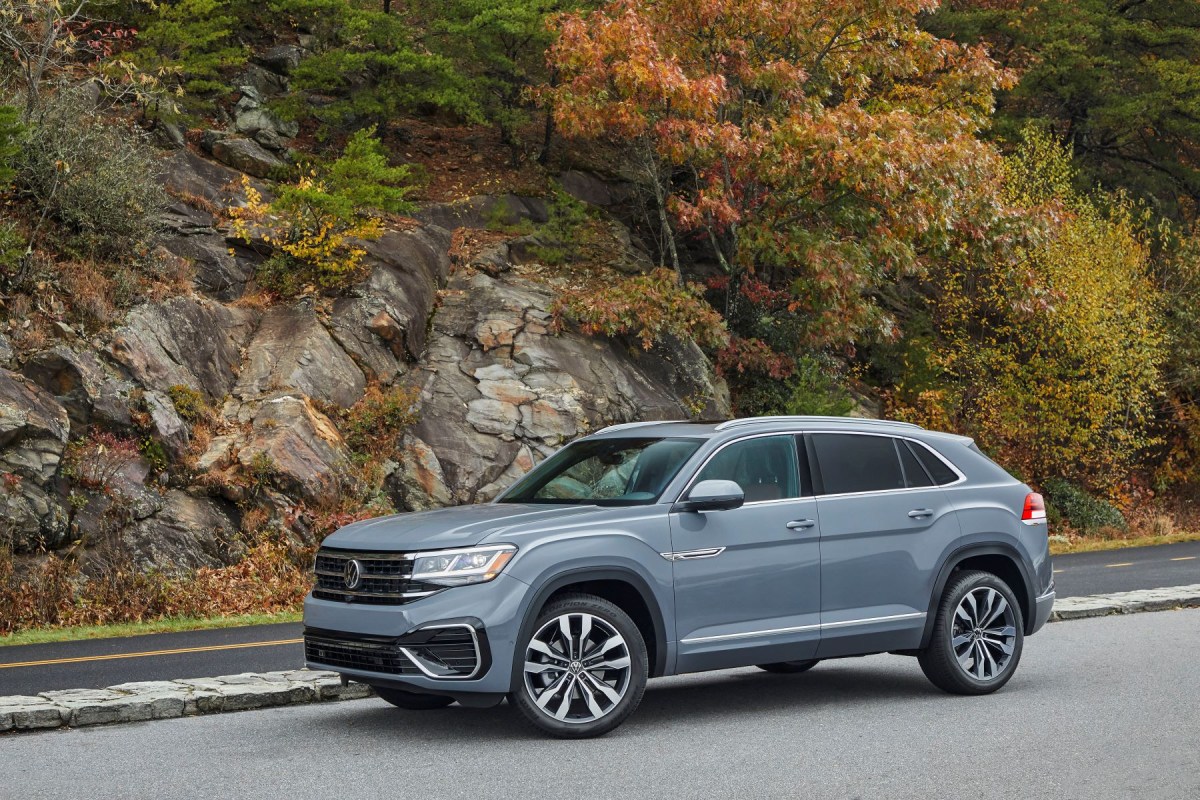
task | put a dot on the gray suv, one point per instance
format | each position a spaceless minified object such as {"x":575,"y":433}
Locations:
{"x":669,"y":547}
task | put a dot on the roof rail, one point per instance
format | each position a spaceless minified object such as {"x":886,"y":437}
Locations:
{"x":734,"y":423}
{"x":622,"y":426}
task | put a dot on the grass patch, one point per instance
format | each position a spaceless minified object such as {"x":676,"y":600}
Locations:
{"x":1093,"y":544}
{"x":169,"y":625}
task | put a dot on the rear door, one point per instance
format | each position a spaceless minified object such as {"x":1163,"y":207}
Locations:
{"x":747,"y":580}
{"x":883,"y":523}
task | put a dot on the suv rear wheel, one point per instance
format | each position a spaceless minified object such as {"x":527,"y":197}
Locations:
{"x":582,"y":670}
{"x":412,"y":700}
{"x":977,"y":636}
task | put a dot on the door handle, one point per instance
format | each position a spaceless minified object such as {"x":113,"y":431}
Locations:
{"x":801,"y":524}
{"x":917,"y":513}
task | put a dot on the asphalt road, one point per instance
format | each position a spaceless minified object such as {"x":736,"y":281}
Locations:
{"x":91,"y":664}
{"x":1125,"y":570}
{"x":1101,"y":708}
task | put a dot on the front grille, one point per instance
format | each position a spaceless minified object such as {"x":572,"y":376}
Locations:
{"x":364,"y":656}
{"x":450,"y":652}
{"x":384,"y":578}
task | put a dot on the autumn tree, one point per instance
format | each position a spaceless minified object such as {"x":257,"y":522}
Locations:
{"x":820,"y":149}
{"x":1118,"y":81}
{"x":1051,"y":360}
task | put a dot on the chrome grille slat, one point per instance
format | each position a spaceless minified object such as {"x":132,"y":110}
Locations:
{"x":385,"y":578}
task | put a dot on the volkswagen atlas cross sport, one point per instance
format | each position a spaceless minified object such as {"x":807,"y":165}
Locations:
{"x":661,"y":548}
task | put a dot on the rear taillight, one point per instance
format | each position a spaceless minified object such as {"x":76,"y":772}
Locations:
{"x":1034,"y":512}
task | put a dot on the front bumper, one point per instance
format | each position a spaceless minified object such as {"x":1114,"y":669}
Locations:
{"x":1042,"y":607}
{"x":414,"y":647}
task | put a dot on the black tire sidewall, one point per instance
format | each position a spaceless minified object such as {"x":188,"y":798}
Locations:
{"x":638,"y":675}
{"x":944,"y":632}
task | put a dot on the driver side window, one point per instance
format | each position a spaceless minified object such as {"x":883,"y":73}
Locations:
{"x":765,"y":468}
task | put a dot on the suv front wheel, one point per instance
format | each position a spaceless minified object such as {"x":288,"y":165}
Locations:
{"x":582,"y":670}
{"x":977,"y":636}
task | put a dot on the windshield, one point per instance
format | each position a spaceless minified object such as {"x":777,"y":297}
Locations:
{"x":605,"y":472}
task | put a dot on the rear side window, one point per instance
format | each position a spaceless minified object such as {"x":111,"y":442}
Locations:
{"x":937,"y":469}
{"x":857,"y":463}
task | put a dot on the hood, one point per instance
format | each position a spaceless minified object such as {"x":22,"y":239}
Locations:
{"x":463,"y":526}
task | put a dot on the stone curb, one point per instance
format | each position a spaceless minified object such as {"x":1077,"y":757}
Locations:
{"x":136,"y":702}
{"x":1102,"y":605}
{"x":146,"y":700}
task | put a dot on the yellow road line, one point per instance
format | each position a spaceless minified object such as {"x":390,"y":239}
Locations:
{"x":1184,"y":558}
{"x":1058,"y":571}
{"x":1122,"y":564}
{"x":176,"y":651}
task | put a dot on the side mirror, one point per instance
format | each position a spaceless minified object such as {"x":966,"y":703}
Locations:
{"x":713,"y":496}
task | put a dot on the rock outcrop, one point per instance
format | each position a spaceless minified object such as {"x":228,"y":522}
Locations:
{"x":224,"y":407}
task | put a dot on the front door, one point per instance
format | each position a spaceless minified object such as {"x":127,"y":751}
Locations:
{"x":748,"y":580}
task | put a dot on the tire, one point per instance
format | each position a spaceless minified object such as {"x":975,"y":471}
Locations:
{"x":790,"y":667}
{"x":977,"y":636}
{"x":586,"y":683}
{"x":412,"y":701}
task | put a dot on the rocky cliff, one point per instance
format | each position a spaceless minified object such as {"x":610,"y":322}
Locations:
{"x":199,"y":411}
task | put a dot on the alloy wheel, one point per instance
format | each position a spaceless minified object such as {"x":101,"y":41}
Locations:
{"x":984,"y":633}
{"x":577,"y":668}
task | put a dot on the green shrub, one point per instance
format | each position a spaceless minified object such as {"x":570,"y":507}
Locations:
{"x":373,"y":423}
{"x":99,"y":180}
{"x":189,"y":404}
{"x":1079,"y":509}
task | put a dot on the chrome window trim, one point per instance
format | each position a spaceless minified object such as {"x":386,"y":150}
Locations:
{"x":821,"y":626}
{"x":622,"y":426}
{"x":961,"y":477}
{"x":474,"y":640}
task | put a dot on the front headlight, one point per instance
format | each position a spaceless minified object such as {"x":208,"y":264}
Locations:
{"x":462,"y":567}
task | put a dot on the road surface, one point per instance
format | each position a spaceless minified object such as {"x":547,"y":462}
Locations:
{"x":92,"y":665}
{"x":1100,"y":708}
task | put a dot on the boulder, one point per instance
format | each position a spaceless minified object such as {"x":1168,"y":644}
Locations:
{"x":247,"y":156}
{"x":295,"y":447}
{"x":418,"y":483}
{"x":188,"y":533}
{"x":292,"y":350}
{"x":250,"y":116}
{"x":499,"y":391}
{"x":6,"y":352}
{"x":188,"y":175}
{"x":168,"y":427}
{"x":185,"y":341}
{"x":219,"y":272}
{"x":283,"y":58}
{"x":82,"y":384}
{"x":264,"y":81}
{"x":33,"y":435}
{"x":383,"y":323}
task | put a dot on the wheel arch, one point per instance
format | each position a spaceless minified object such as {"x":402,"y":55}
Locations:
{"x":624,"y":587}
{"x":1002,"y":560}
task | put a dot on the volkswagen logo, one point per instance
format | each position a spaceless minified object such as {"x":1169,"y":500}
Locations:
{"x":352,"y":576}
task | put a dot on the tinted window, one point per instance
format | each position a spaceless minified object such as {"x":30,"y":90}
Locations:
{"x":765,"y":468}
{"x":852,"y":463}
{"x":605,"y":472}
{"x":914,"y":474}
{"x":938,"y":469}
